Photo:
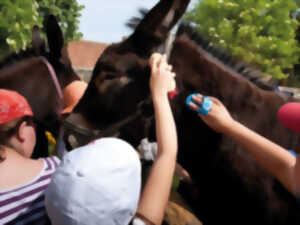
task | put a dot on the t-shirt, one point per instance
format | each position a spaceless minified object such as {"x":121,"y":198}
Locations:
{"x":25,"y":204}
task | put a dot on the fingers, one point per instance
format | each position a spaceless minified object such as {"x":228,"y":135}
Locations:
{"x":155,"y":57}
{"x":159,"y":62}
{"x":199,"y":98}
{"x":198,"y":101}
{"x":169,"y":68}
{"x":162,"y":64}
{"x":194,"y":106}
{"x":154,"y":60}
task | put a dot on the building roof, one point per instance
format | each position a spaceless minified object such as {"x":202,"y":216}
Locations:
{"x":84,"y":54}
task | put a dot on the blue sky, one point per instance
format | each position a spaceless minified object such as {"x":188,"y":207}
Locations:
{"x":104,"y":20}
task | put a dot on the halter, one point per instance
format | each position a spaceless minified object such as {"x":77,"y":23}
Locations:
{"x":54,"y":79}
{"x":60,"y":95}
{"x":78,"y":136}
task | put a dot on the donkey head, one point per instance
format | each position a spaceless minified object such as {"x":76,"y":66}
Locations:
{"x":56,"y":54}
{"x":120,"y":77}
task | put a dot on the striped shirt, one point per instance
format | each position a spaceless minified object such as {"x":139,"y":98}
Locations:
{"x":25,"y":204}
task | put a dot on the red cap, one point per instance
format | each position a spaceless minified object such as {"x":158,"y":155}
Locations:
{"x":13,"y":106}
{"x":289,"y":116}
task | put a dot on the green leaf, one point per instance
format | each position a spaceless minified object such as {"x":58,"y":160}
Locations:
{"x":18,"y":17}
{"x":260,"y":32}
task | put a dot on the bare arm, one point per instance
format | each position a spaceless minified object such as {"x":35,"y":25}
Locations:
{"x":156,"y":191}
{"x":272,"y":157}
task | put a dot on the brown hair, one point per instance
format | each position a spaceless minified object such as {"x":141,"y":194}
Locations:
{"x":9,"y":129}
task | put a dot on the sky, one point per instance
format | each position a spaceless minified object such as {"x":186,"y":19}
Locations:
{"x":104,"y":20}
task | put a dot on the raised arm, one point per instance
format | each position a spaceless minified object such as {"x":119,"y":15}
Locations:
{"x":272,"y":157}
{"x":156,"y":191}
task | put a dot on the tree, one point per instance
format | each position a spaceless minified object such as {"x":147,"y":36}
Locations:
{"x":298,"y":3}
{"x":17,"y":17}
{"x":68,"y":13}
{"x":261,"y":32}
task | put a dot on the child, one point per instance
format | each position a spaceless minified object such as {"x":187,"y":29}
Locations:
{"x":23,"y":180}
{"x":72,"y":94}
{"x":100,"y":183}
{"x":276,"y":160}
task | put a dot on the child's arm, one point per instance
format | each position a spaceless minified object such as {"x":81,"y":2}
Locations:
{"x":272,"y":157}
{"x":156,"y":191}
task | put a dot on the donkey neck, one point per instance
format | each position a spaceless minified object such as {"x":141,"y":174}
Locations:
{"x":198,"y":71}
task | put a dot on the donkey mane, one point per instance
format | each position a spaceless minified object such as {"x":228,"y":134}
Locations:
{"x":14,"y":58}
{"x":222,"y":55}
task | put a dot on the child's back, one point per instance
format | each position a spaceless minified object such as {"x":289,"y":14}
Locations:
{"x":23,"y":180}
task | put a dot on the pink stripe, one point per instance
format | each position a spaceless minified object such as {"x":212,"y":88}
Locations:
{"x":22,"y":196}
{"x":47,"y":163}
{"x":54,"y":161}
{"x":29,"y":214}
{"x":20,"y":207}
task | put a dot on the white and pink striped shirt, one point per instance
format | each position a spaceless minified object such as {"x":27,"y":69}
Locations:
{"x":25,"y":204}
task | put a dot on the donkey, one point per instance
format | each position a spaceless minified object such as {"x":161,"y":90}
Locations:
{"x":231,"y":188}
{"x":28,"y":72}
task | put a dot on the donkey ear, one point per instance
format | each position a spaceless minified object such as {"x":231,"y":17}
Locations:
{"x":154,"y":28}
{"x":37,"y":42}
{"x":54,"y":36}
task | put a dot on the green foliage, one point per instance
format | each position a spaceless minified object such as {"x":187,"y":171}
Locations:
{"x":16,"y":21}
{"x":297,"y":2}
{"x":260,"y":32}
{"x":68,"y":13}
{"x":17,"y":17}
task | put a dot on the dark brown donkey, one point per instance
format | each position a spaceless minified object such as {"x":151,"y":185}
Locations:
{"x":27,"y":73}
{"x":231,"y":187}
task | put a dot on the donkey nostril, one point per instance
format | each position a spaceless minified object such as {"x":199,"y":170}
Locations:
{"x":124,"y":80}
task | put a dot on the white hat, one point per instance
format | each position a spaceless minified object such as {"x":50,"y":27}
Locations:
{"x":96,"y":184}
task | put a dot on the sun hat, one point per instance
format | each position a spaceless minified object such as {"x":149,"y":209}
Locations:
{"x":289,"y":116}
{"x":95,"y":184}
{"x":72,"y":94}
{"x":13,"y":106}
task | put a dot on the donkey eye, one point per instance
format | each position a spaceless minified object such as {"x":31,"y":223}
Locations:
{"x":109,"y":77}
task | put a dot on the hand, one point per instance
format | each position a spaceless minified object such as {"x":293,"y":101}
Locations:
{"x":183,"y":174}
{"x":162,"y":78}
{"x":218,"y":118}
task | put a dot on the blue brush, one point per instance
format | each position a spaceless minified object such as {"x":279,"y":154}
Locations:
{"x":204,"y":108}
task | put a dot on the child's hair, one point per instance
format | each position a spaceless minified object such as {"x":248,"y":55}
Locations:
{"x":14,"y":109}
{"x":9,"y":129}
